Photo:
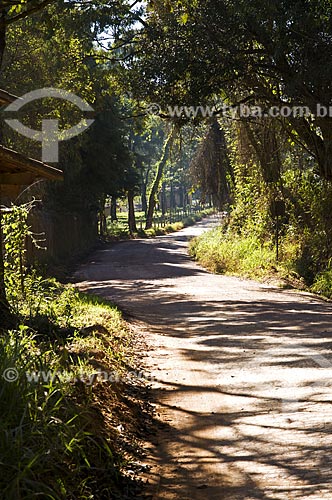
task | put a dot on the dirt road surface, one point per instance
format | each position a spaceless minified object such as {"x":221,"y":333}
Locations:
{"x":243,"y":373}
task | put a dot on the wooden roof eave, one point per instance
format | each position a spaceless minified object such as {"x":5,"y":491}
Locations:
{"x":6,"y":97}
{"x":14,"y":163}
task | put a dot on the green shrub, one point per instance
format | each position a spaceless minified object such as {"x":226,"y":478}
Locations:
{"x":119,"y":230}
{"x":189,"y":221}
{"x":323,"y":283}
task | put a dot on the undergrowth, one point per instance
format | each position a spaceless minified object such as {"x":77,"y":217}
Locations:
{"x":60,"y":369}
{"x":323,"y":283}
{"x":68,"y":428}
{"x":226,"y":252}
{"x":246,"y":243}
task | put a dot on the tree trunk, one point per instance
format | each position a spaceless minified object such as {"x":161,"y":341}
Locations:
{"x":163,"y":199}
{"x":181,"y":194}
{"x":131,"y":213}
{"x":172,"y":204}
{"x":144,"y":200}
{"x":144,"y":183}
{"x":156,"y":184}
{"x":113,"y":209}
{"x":102,"y":217}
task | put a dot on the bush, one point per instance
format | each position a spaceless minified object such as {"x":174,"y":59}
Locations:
{"x":119,"y":230}
{"x":323,"y":283}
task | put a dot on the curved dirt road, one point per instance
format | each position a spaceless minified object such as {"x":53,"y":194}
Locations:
{"x":244,"y":373}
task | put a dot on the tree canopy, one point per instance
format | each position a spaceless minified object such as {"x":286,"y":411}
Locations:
{"x":266,"y":54}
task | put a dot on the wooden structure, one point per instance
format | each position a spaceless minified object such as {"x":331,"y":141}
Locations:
{"x":6,"y":97}
{"x":18,"y":171}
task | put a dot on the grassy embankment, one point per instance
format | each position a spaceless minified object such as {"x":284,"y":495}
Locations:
{"x":225,"y":252}
{"x":70,"y":409}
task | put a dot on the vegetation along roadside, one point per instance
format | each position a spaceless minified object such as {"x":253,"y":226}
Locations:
{"x":73,"y":405}
{"x":300,"y":263}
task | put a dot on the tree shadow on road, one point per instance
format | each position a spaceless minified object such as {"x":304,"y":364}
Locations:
{"x":249,"y":350}
{"x":262,"y":366}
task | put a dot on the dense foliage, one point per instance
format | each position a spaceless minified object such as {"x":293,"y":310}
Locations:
{"x":261,"y":53}
{"x":247,"y":242}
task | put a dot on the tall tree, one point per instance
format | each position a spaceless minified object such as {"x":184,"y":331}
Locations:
{"x":11,"y":11}
{"x":157,"y":180}
{"x":267,"y":54}
{"x":211,"y":168}
{"x":53,"y":44}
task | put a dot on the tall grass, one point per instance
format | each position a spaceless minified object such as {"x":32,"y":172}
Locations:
{"x":58,"y":433}
{"x":55,"y":441}
{"x":222,"y":253}
{"x":226,"y":252}
{"x":323,"y":283}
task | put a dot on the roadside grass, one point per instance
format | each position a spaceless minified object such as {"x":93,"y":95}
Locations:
{"x":229,"y":253}
{"x":68,"y":427}
{"x":119,"y":230}
{"x":323,"y":283}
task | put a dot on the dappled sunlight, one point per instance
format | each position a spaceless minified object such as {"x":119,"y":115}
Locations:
{"x":242,"y":374}
{"x":246,"y":434}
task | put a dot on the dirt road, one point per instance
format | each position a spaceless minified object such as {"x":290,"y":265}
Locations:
{"x":244,"y":374}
